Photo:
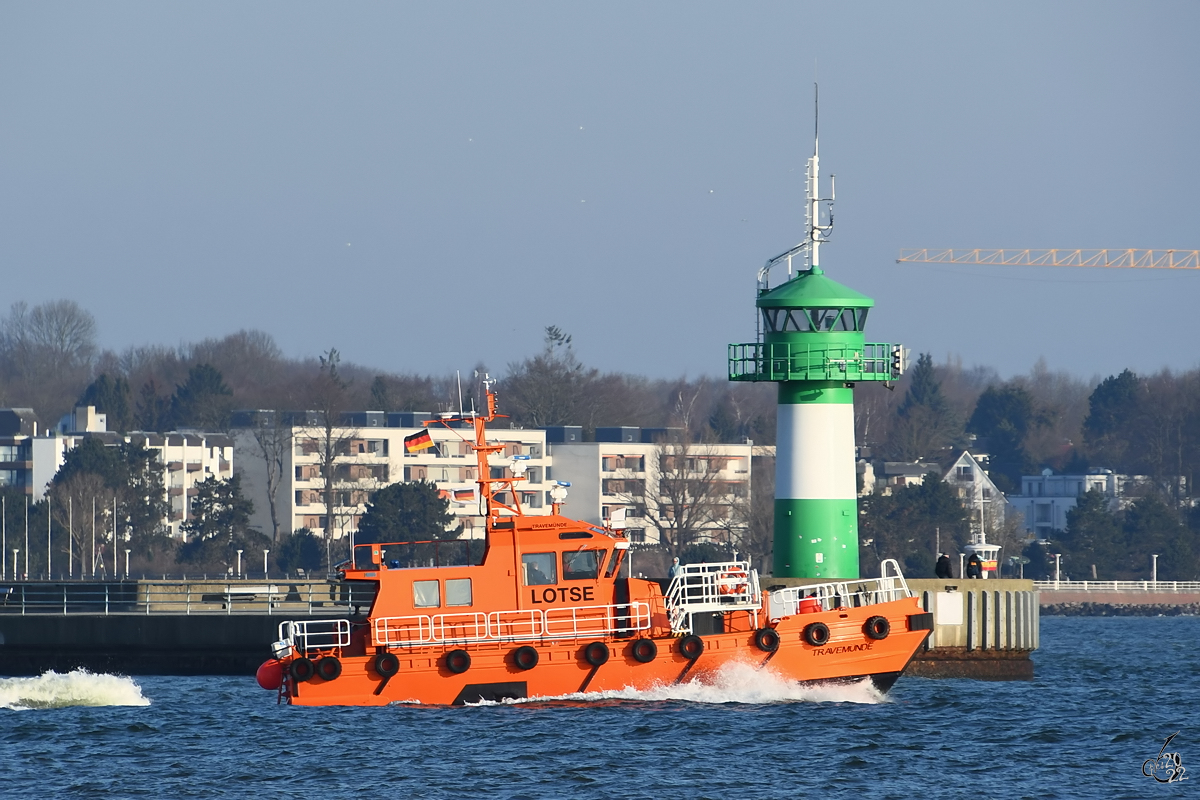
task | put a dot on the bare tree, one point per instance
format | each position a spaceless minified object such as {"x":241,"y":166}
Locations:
{"x":332,"y":440}
{"x":46,"y":354}
{"x":273,"y":439}
{"x":553,"y":387}
{"x":683,"y":495}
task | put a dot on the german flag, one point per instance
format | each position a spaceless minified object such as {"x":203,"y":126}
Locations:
{"x":418,"y":441}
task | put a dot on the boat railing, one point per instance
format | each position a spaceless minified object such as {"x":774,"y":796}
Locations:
{"x":717,"y":587}
{"x":888,"y":588}
{"x":571,"y":622}
{"x":315,"y":634}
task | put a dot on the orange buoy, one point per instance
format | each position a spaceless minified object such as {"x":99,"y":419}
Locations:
{"x":270,"y":674}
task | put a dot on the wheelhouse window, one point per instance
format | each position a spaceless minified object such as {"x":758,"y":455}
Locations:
{"x":581,"y":565}
{"x":540,"y":569}
{"x":458,"y":592}
{"x":426,"y":594}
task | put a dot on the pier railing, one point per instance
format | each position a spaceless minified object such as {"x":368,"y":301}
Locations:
{"x":1117,"y":586}
{"x":284,"y":597}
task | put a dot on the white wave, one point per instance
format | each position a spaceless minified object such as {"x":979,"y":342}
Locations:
{"x":76,"y":688}
{"x":735,"y":682}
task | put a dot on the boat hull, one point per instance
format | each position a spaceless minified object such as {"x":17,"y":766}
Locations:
{"x":562,"y":669}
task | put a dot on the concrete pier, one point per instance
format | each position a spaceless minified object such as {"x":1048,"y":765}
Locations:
{"x":984,"y":629}
{"x":169,"y":627}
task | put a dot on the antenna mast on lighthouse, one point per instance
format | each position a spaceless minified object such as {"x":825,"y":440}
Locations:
{"x":817,"y":233}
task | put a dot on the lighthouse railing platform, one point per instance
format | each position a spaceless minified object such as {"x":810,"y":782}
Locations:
{"x":792,"y":361}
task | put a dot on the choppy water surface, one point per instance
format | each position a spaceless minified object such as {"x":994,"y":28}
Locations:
{"x":1108,"y":691}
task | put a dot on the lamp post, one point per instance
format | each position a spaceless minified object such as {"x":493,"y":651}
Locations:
{"x":1057,"y":569}
{"x":15,"y":551}
{"x":239,"y":569}
{"x":127,"y":552}
{"x":1154,"y":569}
{"x":265,"y":576}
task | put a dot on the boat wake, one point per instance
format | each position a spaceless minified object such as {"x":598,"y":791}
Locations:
{"x":733,"y":683}
{"x":76,"y":688}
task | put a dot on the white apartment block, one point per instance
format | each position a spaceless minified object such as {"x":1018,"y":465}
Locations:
{"x":186,"y":458}
{"x":371,"y":456}
{"x":608,"y":476}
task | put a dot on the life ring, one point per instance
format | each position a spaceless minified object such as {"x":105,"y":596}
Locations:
{"x":643,"y":651}
{"x":816,"y":634}
{"x":596,"y":654}
{"x":734,"y":581}
{"x":458,"y":661}
{"x":301,"y":669}
{"x":526,"y":657}
{"x":766,"y":639}
{"x":691,"y":646}
{"x":386,"y":665}
{"x":877,"y":628}
{"x":329,"y":668}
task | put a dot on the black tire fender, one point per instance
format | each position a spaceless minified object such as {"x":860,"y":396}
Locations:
{"x":816,"y":634}
{"x":329,"y":668}
{"x":691,"y":646}
{"x":386,"y":665}
{"x":301,"y":669}
{"x":596,"y":654}
{"x":877,"y":628}
{"x":526,"y":657}
{"x":458,"y":661}
{"x":643,"y":650}
{"x":766,"y":639}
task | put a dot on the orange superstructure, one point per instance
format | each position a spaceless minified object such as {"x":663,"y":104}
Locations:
{"x":544,"y":611}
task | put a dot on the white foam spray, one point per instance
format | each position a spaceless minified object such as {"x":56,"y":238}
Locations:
{"x":76,"y":688}
{"x":735,"y":682}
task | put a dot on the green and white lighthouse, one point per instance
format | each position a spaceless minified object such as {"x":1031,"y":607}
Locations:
{"x":811,"y":342}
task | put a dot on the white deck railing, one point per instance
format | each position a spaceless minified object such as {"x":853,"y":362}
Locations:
{"x":841,"y":594}
{"x":718,"y":587}
{"x":572,"y":622}
{"x":315,"y":634}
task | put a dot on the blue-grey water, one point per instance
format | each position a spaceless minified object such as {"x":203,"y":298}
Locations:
{"x":1107,"y":693}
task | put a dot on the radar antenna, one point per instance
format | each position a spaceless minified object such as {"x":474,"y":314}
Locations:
{"x":816,"y":231}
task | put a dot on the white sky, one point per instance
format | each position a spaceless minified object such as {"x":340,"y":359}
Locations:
{"x":425,"y":186}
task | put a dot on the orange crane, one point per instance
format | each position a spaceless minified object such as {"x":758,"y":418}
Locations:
{"x":1138,"y":259}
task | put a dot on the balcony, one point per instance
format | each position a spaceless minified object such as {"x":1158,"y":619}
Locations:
{"x":794,"y":361}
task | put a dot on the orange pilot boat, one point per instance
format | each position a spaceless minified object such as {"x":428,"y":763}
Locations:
{"x":545,"y":612}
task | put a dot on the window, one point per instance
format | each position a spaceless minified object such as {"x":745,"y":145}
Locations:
{"x":458,"y":592}
{"x":425,"y":594}
{"x":636,"y":535}
{"x":581,"y":565}
{"x":612,"y":565}
{"x":539,"y":569}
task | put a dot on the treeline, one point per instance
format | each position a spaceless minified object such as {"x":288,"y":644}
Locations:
{"x":1134,"y":424}
{"x":50,"y":361}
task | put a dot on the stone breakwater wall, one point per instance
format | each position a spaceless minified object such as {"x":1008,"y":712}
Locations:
{"x":1087,"y":609}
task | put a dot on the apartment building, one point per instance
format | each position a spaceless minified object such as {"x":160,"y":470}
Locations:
{"x":30,"y":461}
{"x":1045,"y":499}
{"x":370,"y":454}
{"x":625,"y":470}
